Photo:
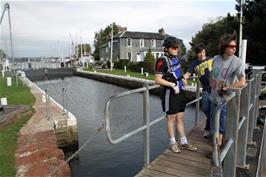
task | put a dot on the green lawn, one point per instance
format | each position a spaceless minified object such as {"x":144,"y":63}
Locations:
{"x":8,"y":142}
{"x":16,"y":95}
{"x":123,"y":73}
{"x":132,"y":74}
{"x":8,"y":135}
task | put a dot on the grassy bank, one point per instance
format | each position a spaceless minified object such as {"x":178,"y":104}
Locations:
{"x":123,"y":73}
{"x":8,"y":139}
{"x":132,"y":74}
{"x":16,"y":95}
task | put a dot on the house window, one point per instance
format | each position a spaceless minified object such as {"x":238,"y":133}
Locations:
{"x":129,"y":42}
{"x":141,"y":42}
{"x":153,"y":43}
{"x":129,"y":55}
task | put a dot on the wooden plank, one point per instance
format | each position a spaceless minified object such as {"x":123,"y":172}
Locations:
{"x":173,"y":171}
{"x":142,"y":175}
{"x":184,"y":164}
{"x":197,"y":157}
{"x":181,"y":167}
{"x":185,"y":161}
{"x":154,"y":173}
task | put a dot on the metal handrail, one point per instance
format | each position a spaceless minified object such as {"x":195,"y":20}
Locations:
{"x":107,"y":117}
{"x":217,"y":113}
{"x":147,"y":125}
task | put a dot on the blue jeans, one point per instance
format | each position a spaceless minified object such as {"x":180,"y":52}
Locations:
{"x":206,"y":108}
{"x":223,"y":117}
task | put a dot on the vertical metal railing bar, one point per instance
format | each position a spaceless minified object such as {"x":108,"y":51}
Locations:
{"x":198,"y":102}
{"x":146,"y":117}
{"x":252,"y":85}
{"x":218,"y":109}
{"x":243,"y":126}
{"x":232,"y":124}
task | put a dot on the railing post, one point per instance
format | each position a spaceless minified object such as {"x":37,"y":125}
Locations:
{"x":243,"y":132}
{"x":198,"y":102}
{"x":146,"y":117}
{"x":63,"y":100}
{"x":47,"y":102}
{"x":232,"y":124}
{"x":251,"y":109}
{"x":258,"y":93}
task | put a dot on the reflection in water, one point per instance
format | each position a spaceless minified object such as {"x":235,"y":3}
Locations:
{"x":86,"y":99}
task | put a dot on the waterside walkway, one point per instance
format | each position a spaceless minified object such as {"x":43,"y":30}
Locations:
{"x":37,"y":153}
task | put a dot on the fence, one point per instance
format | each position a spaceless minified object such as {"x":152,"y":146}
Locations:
{"x":146,"y":115}
{"x":242,"y":112}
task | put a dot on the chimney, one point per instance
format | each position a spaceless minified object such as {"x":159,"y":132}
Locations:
{"x":161,"y":31}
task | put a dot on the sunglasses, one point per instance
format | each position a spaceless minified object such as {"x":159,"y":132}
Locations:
{"x":231,"y":46}
{"x":174,"y":48}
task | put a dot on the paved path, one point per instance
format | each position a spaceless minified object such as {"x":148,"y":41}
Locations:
{"x":37,"y":153}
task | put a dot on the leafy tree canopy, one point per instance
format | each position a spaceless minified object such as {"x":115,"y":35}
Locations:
{"x":102,"y":37}
{"x":86,"y":49}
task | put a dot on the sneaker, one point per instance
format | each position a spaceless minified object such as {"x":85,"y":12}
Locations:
{"x":174,"y":148}
{"x":188,"y":146}
{"x":206,"y":134}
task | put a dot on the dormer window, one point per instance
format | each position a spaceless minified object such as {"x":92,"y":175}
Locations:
{"x":129,"y":42}
{"x":141,"y":42}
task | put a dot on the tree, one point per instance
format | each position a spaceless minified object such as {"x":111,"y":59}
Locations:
{"x":210,"y":35}
{"x":254,"y":27}
{"x":102,"y":37}
{"x":149,"y":61}
{"x":86,"y":49}
{"x":2,"y":54}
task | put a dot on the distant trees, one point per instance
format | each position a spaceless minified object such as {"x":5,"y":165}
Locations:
{"x":149,"y":61}
{"x":102,"y":37}
{"x":211,"y":33}
{"x":2,"y":54}
{"x":254,"y":27}
{"x":86,"y":49}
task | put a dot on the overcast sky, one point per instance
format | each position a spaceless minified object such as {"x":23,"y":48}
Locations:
{"x":43,"y":28}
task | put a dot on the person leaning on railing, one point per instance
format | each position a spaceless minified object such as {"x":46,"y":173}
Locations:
{"x":168,"y":75}
{"x":228,"y":72}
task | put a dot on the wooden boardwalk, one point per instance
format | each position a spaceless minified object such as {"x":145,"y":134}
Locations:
{"x":184,"y":164}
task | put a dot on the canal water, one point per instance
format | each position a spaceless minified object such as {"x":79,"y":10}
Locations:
{"x":86,"y":99}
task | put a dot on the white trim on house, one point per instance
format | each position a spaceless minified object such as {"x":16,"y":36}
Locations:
{"x":153,"y":43}
{"x":141,"y":42}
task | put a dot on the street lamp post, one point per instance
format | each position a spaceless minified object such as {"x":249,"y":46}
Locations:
{"x":240,"y":29}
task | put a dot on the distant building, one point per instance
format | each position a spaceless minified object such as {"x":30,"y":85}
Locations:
{"x":133,"y":46}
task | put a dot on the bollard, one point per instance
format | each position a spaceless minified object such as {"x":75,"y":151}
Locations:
{"x":141,"y":71}
{"x":9,"y":81}
{"x":125,"y":69}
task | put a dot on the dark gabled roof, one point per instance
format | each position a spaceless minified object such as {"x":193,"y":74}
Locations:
{"x":141,"y":35}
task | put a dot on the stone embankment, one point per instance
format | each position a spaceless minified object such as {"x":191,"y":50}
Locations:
{"x":37,"y":154}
